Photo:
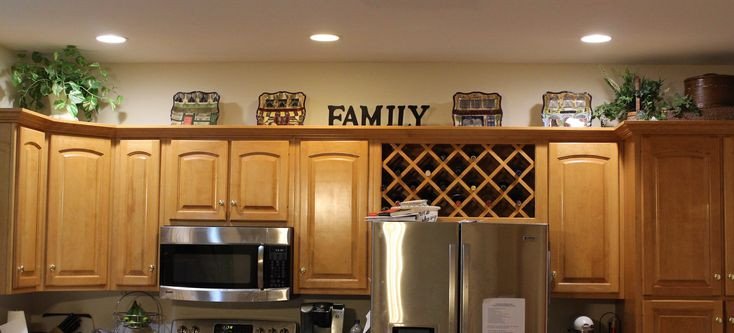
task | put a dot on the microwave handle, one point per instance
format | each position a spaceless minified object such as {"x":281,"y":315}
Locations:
{"x":260,"y":266}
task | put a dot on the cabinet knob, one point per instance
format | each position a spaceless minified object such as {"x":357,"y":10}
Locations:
{"x":151,"y":268}
{"x":717,"y":277}
{"x":730,"y":276}
{"x":220,"y":203}
{"x":303,"y":270}
{"x":21,"y":268}
{"x":233,"y":203}
{"x":554,"y":274}
{"x":731,"y":320}
{"x":52,"y":267}
{"x":718,"y":320}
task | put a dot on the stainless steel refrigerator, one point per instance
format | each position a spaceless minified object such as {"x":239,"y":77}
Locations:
{"x":459,"y":277}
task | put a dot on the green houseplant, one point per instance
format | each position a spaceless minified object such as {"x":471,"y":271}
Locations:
{"x":74,"y":82}
{"x":653,"y":102}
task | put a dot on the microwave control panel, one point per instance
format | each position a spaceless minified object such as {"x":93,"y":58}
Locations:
{"x":279,"y":263}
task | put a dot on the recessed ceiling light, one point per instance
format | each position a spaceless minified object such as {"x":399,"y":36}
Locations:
{"x":324,"y":38}
{"x":111,"y":39}
{"x":596,"y":39}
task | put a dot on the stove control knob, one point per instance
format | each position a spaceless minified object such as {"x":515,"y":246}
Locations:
{"x":183,"y":329}
{"x":194,"y":329}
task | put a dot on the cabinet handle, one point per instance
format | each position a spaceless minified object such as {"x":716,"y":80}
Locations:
{"x":233,"y":203}
{"x":718,"y":320}
{"x":303,"y":270}
{"x":730,"y":276}
{"x":52,"y":267}
{"x":151,"y":268}
{"x":717,"y":277}
{"x":220,"y":203}
{"x":21,"y":268}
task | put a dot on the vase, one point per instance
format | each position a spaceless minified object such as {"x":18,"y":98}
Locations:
{"x":60,"y":114}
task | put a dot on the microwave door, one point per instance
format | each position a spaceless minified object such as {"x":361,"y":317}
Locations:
{"x":212,"y":266}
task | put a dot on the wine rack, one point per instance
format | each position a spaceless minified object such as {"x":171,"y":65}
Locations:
{"x":465,"y":180}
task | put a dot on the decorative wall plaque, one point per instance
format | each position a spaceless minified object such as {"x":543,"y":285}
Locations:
{"x":281,"y":108}
{"x":195,"y":108}
{"x":566,"y":109}
{"x":477,"y":109}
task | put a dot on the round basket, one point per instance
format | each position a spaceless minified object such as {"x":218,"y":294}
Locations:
{"x":126,"y":319}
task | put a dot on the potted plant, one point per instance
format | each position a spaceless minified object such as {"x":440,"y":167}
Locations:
{"x":71,"y":82}
{"x":653,"y":104}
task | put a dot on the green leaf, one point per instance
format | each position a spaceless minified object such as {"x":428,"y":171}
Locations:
{"x":90,"y":103}
{"x":56,"y":56}
{"x":104,"y":73}
{"x":57,"y":89}
{"x":36,"y":56}
{"x":59,"y":104}
{"x":76,"y":96}
{"x":71,"y":108}
{"x":16,"y":78}
{"x":118,"y":100}
{"x":94,"y":65}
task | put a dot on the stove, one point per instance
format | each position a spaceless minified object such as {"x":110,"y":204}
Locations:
{"x":231,"y":326}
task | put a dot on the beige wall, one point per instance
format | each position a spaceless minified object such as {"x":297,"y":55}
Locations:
{"x":148,"y":88}
{"x":6,"y":60}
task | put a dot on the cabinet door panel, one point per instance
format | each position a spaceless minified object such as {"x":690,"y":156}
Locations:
{"x":584,"y":217}
{"x":30,"y":218}
{"x":258,"y":187}
{"x":682,"y":317}
{"x":135,"y":225}
{"x":681,"y":204}
{"x":332,"y":231}
{"x":78,"y":212}
{"x":196,"y":180}
{"x":729,"y":214}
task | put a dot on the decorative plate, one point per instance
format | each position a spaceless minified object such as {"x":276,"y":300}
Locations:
{"x":477,"y":109}
{"x":566,"y":109}
{"x":281,"y":108}
{"x":195,"y":108}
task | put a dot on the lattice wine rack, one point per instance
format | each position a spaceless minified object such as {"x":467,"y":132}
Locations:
{"x":465,"y":180}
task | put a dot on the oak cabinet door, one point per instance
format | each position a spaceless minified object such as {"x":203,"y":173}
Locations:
{"x":78,"y":212}
{"x":681,"y":216}
{"x":135,"y":222}
{"x":584,"y":217}
{"x":729,"y":215}
{"x":258,"y":185}
{"x":30,"y":219}
{"x":332,"y":234}
{"x":683,"y":317}
{"x":196,"y":180}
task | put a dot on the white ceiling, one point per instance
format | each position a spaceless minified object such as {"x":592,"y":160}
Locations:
{"x":519,"y":31}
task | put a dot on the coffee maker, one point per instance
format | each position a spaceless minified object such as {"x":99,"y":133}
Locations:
{"x":322,"y":317}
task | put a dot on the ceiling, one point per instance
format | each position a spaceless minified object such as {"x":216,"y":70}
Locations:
{"x":510,"y":31}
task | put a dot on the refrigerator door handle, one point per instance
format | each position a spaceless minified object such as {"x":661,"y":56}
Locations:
{"x":465,"y":259}
{"x":452,"y":287}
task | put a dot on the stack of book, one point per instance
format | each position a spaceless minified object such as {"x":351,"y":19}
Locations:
{"x":416,"y":210}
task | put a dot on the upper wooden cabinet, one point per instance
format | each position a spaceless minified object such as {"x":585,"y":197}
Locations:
{"x":729,"y":215}
{"x":206,"y":180}
{"x":135,"y":220}
{"x":683,"y":317}
{"x":258,"y":184}
{"x":331,"y":233}
{"x":78,"y":212}
{"x":196,"y":180}
{"x":583,"y":217}
{"x":681,"y":215}
{"x":30,"y":212}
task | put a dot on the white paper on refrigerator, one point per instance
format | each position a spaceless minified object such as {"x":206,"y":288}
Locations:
{"x":503,"y":315}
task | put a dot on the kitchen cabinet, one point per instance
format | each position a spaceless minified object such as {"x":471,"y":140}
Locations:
{"x":331,"y":232}
{"x":78,"y":212}
{"x":30,"y":210}
{"x":681,"y":215}
{"x":729,"y":214}
{"x":205,"y":180}
{"x":583,"y":184}
{"x":135,"y":219}
{"x":196,"y":180}
{"x":686,"y":316}
{"x":258,"y":183}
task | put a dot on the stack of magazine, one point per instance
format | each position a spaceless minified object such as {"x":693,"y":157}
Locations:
{"x":415,"y":210}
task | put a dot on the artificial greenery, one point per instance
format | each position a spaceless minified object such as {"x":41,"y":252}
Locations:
{"x":77,"y":83}
{"x":653,"y":103}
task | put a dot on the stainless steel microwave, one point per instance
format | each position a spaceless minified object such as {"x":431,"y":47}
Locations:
{"x":225,"y":264}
